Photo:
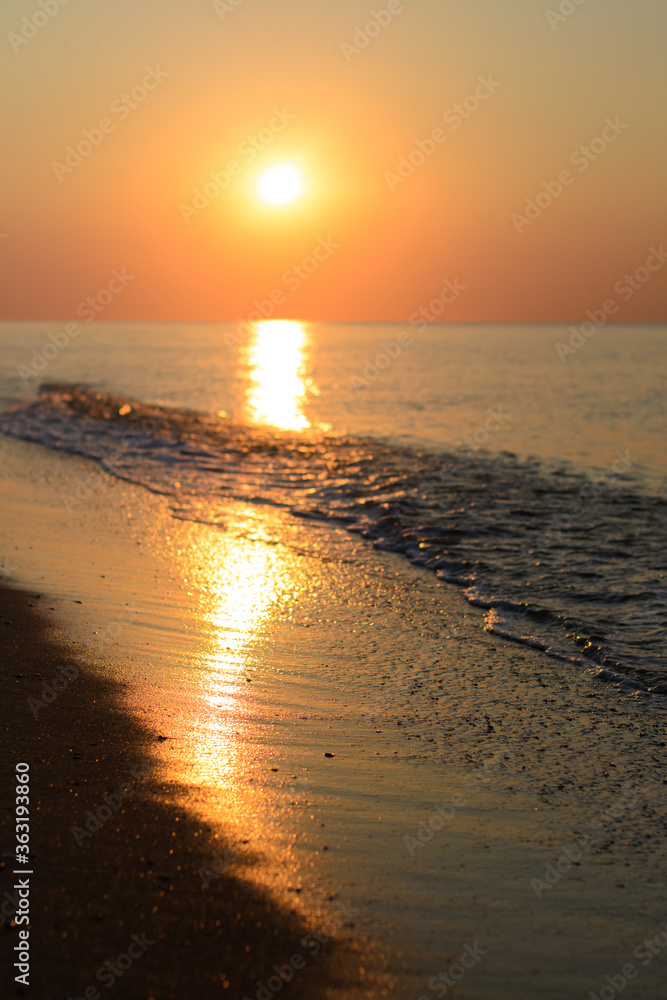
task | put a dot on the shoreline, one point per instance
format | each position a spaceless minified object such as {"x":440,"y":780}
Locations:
{"x":149,"y":872}
{"x":343,"y":712}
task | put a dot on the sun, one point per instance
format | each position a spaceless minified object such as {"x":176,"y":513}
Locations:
{"x":280,"y":184}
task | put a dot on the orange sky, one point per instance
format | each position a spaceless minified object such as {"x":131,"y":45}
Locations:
{"x":346,"y":107}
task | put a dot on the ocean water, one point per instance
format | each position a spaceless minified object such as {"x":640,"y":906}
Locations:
{"x":534,"y":485}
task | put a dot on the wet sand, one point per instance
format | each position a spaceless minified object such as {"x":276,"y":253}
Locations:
{"x":148,"y":872}
{"x":462,"y":767}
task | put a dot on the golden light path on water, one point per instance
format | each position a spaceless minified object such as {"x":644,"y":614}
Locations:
{"x":244,"y":579}
{"x":241,"y":584}
{"x":241,"y":575}
{"x":245,"y":583}
{"x":277,"y":373}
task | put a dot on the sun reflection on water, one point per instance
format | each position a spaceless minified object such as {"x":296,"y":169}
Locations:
{"x":234,"y":683}
{"x":278,"y":380}
{"x":242,"y":580}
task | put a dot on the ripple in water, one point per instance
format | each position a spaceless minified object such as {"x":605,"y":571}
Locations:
{"x":572,"y":567}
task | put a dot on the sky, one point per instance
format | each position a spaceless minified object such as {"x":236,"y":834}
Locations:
{"x":513,"y":149}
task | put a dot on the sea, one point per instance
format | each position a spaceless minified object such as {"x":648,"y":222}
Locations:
{"x":525,"y":465}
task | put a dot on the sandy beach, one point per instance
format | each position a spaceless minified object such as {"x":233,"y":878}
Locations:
{"x":128,"y":888}
{"x":330,"y":727}
{"x":333,"y":501}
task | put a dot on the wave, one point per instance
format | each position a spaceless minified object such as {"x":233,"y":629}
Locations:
{"x":572,"y":569}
